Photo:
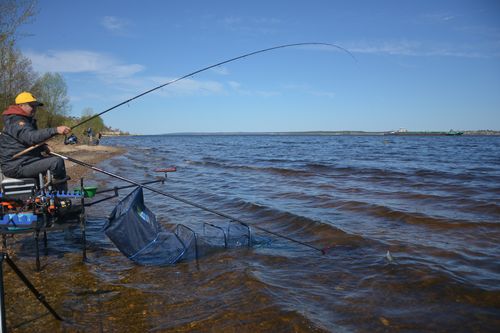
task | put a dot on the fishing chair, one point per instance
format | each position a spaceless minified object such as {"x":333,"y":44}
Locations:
{"x":15,"y":188}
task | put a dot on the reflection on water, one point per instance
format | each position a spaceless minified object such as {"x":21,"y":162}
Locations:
{"x":433,"y":202}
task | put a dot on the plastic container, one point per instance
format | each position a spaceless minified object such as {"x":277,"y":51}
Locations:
{"x":19,"y":219}
{"x":88,"y":191}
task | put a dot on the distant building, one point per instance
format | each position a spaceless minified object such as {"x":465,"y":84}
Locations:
{"x":111,"y":133}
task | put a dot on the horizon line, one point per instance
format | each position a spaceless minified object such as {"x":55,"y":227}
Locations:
{"x":322,"y":132}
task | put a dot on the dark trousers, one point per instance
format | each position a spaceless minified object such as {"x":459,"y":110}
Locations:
{"x":32,"y":168}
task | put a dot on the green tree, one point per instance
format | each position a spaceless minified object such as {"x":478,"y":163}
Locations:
{"x":13,"y":14}
{"x":52,"y":90}
{"x":16,"y":73}
{"x":96,"y":124}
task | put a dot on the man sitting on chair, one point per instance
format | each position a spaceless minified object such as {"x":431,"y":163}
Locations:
{"x":20,"y":132}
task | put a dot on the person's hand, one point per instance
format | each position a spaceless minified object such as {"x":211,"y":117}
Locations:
{"x":63,"y":130}
{"x":45,"y":149}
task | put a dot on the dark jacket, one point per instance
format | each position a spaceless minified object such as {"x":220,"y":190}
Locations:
{"x":20,"y":132}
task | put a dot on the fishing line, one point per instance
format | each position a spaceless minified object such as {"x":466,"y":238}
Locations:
{"x":323,"y":251}
{"x":194,"y":73}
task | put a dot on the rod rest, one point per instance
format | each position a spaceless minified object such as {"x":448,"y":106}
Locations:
{"x":60,"y":194}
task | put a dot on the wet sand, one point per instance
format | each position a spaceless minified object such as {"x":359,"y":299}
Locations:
{"x":89,"y":154}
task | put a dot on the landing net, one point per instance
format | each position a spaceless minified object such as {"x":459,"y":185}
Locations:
{"x":135,"y":231}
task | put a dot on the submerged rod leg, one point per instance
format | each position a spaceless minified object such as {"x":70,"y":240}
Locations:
{"x":45,"y":242}
{"x":40,"y":297}
{"x":3,"y":321}
{"x":37,"y":251}
{"x":84,"y":236}
{"x":83,"y":222}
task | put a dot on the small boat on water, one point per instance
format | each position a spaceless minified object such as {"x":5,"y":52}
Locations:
{"x":452,"y":132}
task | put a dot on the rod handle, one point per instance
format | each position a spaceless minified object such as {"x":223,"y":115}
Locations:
{"x":27,"y":150}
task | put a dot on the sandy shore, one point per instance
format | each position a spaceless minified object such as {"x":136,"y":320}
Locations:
{"x":89,"y":154}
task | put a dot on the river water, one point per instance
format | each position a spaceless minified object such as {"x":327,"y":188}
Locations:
{"x":411,"y":228}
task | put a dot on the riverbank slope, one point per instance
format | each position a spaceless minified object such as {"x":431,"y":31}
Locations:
{"x":89,"y":154}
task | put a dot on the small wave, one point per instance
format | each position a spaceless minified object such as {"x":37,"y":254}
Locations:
{"x":276,"y":170}
{"x":410,"y":217}
{"x":319,"y":167}
{"x":306,"y":228}
{"x":373,"y":174}
{"x":455,"y":176}
{"x":436,"y":266}
{"x":463,"y":203}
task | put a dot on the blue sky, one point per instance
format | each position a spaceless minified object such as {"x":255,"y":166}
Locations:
{"x":420,"y":65}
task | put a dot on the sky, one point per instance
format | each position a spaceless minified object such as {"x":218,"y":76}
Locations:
{"x":416,"y":64}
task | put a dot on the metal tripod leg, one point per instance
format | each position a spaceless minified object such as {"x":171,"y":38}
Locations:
{"x":83,"y":222}
{"x":40,"y":297}
{"x":37,"y":251}
{"x":84,"y":237}
{"x":45,"y":242}
{"x":3,"y":321}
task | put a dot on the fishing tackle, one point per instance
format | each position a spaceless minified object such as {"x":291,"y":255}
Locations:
{"x":172,"y":196}
{"x":189,"y":75}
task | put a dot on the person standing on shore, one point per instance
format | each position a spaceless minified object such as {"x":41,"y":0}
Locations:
{"x":98,"y":138}
{"x":20,"y":132}
{"x":90,"y":134}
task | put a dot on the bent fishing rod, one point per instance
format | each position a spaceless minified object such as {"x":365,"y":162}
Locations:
{"x":189,"y":75}
{"x":188,"y":202}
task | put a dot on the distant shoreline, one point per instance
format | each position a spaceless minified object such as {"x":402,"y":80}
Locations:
{"x":340,"y":133}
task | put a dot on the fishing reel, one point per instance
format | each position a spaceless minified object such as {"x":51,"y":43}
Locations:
{"x":51,"y":203}
{"x":50,"y":199}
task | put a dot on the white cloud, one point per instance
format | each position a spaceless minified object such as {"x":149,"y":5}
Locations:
{"x":113,"y":23}
{"x":439,"y":17}
{"x":306,"y":89}
{"x":79,"y":61}
{"x":231,"y":20}
{"x":384,"y":47}
{"x":251,"y":25}
{"x":234,"y":84}
{"x":264,"y":93}
{"x":328,"y":94}
{"x":221,"y":70}
{"x":122,"y":77}
{"x":415,"y":48}
{"x":129,"y":78}
{"x":267,"y":20}
{"x":187,"y":86}
{"x":238,"y":88}
{"x":123,"y":70}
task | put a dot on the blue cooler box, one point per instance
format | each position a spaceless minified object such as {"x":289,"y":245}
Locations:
{"x":21,"y":219}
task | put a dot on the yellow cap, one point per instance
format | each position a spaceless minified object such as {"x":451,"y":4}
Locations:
{"x":26,"y":97}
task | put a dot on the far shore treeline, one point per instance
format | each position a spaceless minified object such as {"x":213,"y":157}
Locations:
{"x":17,"y":75}
{"x":336,"y":133}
